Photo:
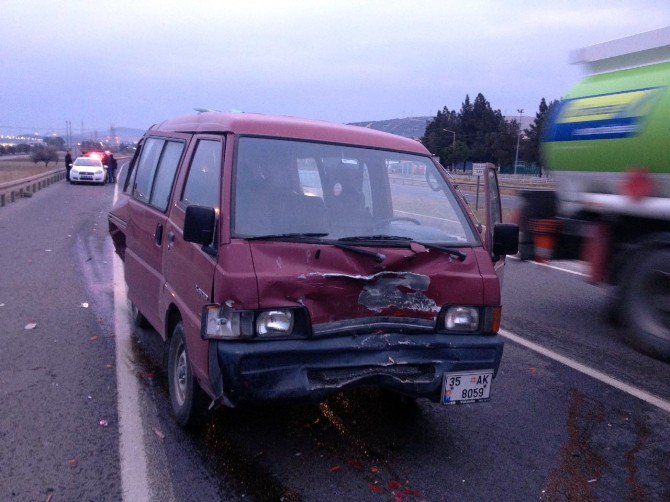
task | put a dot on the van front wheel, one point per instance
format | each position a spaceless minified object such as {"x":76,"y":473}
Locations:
{"x":187,"y":398}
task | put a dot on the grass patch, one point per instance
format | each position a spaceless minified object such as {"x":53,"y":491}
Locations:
{"x":18,"y":169}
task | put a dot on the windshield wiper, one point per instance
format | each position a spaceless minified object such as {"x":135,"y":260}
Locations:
{"x":447,"y":249}
{"x":307,"y":236}
{"x":380,"y":237}
{"x":293,"y":235}
{"x":377,"y":256}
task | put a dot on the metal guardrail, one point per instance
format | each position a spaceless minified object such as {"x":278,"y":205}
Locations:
{"x":511,"y":183}
{"x":26,"y":187}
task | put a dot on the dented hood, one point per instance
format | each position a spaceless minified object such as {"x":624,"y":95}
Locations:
{"x":338,"y":285}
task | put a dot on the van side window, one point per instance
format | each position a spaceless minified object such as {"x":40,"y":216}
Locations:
{"x":167,"y":168}
{"x":131,"y":172}
{"x":204,"y":176}
{"x":147,"y":168}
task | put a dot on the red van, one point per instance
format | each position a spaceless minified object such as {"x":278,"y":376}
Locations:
{"x":281,"y":259}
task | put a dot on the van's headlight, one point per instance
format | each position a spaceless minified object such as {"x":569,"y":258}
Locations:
{"x":461,"y":318}
{"x":471,"y":319}
{"x":275,"y":322}
{"x":222,"y":322}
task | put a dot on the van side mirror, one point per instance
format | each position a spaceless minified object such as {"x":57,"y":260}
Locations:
{"x":199,"y":224}
{"x":505,"y":239}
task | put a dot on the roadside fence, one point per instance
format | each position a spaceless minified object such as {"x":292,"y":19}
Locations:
{"x":509,"y":183}
{"x":12,"y":190}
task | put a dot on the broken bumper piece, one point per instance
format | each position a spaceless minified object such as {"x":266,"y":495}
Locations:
{"x":294,"y":370}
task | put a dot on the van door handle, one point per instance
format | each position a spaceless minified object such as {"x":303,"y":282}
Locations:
{"x":158,"y":236}
{"x":170,"y":240}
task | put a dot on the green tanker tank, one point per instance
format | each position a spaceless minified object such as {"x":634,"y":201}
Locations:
{"x":612,"y":122}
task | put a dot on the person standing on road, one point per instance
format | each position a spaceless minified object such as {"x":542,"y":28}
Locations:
{"x":68,"y":165}
{"x":112,"y":168}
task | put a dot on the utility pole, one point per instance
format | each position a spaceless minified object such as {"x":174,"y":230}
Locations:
{"x":518,"y":138}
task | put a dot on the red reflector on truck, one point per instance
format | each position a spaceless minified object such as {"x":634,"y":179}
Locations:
{"x":637,"y":184}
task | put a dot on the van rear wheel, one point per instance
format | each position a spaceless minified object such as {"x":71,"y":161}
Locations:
{"x":187,"y":398}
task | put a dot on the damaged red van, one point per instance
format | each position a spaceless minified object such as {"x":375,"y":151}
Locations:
{"x":287,"y":259}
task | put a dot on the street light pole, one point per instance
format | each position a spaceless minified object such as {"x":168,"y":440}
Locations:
{"x":518,"y":137}
{"x":453,"y":147}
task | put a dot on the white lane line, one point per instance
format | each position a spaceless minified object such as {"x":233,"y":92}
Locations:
{"x":554,"y":267}
{"x":132,"y":452}
{"x":593,"y":373}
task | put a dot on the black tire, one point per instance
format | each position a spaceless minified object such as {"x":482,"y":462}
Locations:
{"x":138,"y":318}
{"x":646,"y":306}
{"x":188,"y":399}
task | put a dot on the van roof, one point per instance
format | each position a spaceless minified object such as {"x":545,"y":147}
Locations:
{"x":288,"y":127}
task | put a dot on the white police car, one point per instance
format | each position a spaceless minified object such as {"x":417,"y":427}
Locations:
{"x":89,"y":170}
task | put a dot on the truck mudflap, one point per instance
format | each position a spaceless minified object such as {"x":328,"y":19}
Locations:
{"x":313,"y":369}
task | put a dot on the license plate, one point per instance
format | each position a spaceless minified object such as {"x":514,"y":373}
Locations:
{"x":468,"y":387}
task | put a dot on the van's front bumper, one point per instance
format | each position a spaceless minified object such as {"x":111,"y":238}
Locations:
{"x":292,"y":370}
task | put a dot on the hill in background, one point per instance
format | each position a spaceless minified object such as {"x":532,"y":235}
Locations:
{"x":415,"y":127}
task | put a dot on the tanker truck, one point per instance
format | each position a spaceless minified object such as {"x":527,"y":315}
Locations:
{"x":607,"y":144}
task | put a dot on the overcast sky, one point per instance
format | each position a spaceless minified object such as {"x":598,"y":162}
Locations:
{"x":135,"y":63}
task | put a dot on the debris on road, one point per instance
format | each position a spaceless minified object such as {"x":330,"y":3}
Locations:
{"x":94,"y":338}
{"x":73,"y":462}
{"x":84,"y":305}
{"x":103,"y":423}
{"x":31,"y":325}
{"x":375,"y":488}
{"x":158,"y":433}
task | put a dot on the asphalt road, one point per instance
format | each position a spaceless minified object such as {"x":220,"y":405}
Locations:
{"x":550,"y":432}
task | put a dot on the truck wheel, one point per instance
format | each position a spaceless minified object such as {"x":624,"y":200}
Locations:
{"x":526,"y":251}
{"x":646,"y":306}
{"x":187,"y":398}
{"x":138,"y":318}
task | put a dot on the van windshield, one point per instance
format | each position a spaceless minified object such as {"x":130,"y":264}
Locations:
{"x":342,"y":192}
